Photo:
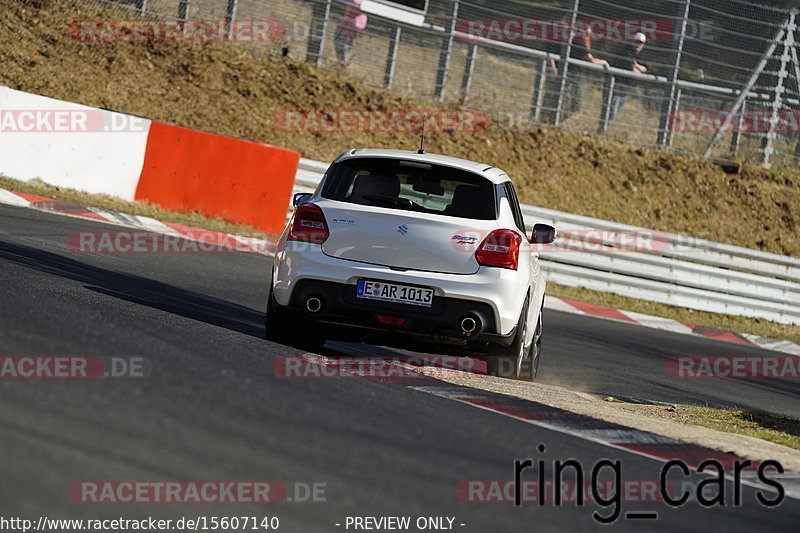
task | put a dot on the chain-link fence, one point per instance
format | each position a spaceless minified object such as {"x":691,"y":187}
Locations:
{"x":709,"y":77}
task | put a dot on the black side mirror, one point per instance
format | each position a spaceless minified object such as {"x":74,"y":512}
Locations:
{"x":301,"y":198}
{"x":543,"y":234}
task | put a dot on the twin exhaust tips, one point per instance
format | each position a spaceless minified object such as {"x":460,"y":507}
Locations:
{"x":469,"y":325}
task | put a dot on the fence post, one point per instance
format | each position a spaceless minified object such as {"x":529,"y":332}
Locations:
{"x":447,"y":50}
{"x":665,"y":134}
{"x":391,"y":58}
{"x":608,"y":94}
{"x":469,"y":69}
{"x":777,"y":102}
{"x":539,"y":89}
{"x":230,"y":18}
{"x":797,"y":80}
{"x":736,"y":138}
{"x":142,"y":5}
{"x":183,"y":10}
{"x":320,"y":15}
{"x":563,"y":68}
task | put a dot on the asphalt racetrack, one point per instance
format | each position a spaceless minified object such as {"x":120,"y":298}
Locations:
{"x":212,"y":408}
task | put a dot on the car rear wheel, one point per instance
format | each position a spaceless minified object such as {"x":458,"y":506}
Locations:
{"x":515,"y":361}
{"x":529,"y":367}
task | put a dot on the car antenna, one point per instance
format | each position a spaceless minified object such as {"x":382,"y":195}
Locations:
{"x":422,"y":139}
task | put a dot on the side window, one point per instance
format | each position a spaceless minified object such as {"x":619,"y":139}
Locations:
{"x":515,"y":210}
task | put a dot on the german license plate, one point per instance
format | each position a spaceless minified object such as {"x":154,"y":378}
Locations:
{"x":393,"y":292}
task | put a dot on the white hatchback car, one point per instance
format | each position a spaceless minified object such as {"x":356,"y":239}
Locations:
{"x":411,"y":249}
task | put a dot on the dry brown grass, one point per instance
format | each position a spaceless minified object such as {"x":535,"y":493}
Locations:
{"x":224,"y":88}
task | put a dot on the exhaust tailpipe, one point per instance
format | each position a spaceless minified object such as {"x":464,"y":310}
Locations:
{"x":313,"y":305}
{"x":469,"y":325}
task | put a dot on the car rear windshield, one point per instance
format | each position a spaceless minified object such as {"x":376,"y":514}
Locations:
{"x":411,"y":186}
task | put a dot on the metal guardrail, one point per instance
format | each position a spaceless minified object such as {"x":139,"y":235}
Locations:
{"x":679,"y":270}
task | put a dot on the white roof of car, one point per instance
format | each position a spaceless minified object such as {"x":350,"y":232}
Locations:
{"x":493,"y":174}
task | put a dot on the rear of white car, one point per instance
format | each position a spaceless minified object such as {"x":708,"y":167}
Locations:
{"x":411,"y":250}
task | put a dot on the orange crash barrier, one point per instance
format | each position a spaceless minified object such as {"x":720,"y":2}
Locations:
{"x":234,"y":179}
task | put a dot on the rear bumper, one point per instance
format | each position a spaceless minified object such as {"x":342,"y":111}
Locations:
{"x":496,"y":294}
{"x":346,"y":316}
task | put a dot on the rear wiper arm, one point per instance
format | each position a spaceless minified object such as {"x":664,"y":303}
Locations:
{"x":391,"y":200}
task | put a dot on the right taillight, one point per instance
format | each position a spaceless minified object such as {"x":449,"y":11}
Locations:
{"x":499,"y":249}
{"x":309,"y":225}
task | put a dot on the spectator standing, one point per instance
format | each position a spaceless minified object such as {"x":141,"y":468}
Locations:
{"x":351,"y":27}
{"x":581,"y":49}
{"x":627,"y":58}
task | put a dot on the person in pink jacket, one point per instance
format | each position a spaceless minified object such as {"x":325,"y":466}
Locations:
{"x":352,"y":25}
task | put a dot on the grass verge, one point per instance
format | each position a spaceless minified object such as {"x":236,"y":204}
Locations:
{"x":739,"y":324}
{"x":772,"y":428}
{"x":188,"y":218}
{"x":780,"y":430}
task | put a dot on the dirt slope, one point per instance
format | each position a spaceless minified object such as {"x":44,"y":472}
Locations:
{"x":226,"y":89}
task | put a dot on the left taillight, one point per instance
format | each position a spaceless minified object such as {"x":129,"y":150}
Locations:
{"x":499,"y":249}
{"x":309,"y":225}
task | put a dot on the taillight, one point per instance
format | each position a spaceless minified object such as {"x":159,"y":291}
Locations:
{"x":499,"y":249}
{"x":391,"y":320}
{"x":309,"y":225}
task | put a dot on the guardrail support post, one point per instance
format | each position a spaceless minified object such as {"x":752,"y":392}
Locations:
{"x":665,"y":134}
{"x":230,"y":18}
{"x":563,"y":67}
{"x":391,"y":58}
{"x":469,"y":69}
{"x":320,"y":16}
{"x":447,"y":50}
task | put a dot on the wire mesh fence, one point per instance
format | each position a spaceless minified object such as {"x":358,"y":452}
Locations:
{"x":709,"y":77}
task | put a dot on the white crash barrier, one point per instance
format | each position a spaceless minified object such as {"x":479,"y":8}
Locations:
{"x":71,"y":145}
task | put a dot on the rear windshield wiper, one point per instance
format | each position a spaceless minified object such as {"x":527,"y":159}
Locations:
{"x":391,"y":200}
